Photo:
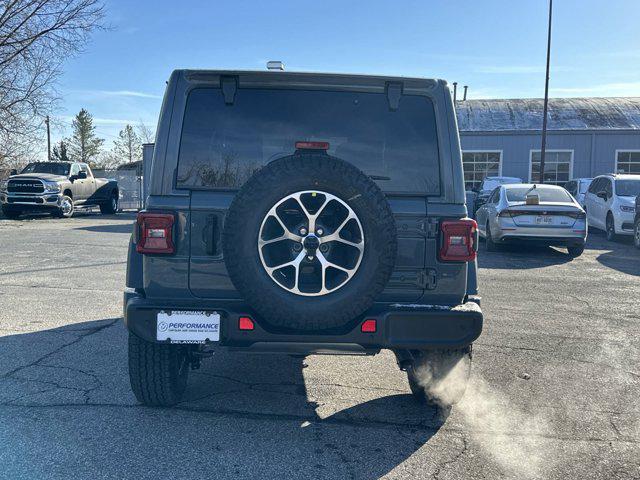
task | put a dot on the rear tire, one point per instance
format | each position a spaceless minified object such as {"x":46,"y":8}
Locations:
{"x":575,"y":251}
{"x":158,"y":372}
{"x":111,"y":206}
{"x":491,"y":245}
{"x":440,"y":377}
{"x":636,"y":234}
{"x":610,"y":228}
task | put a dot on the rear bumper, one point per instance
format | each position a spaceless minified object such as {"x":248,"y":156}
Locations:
{"x":398,"y":327}
{"x":543,"y":240}
{"x":556,"y":236}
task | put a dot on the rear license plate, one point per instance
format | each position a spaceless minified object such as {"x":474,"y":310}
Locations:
{"x":188,"y":327}
{"x":544,"y":220}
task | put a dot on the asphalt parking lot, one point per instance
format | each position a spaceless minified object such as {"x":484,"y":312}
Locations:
{"x":555,"y":390}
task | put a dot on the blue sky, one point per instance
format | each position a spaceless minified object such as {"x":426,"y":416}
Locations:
{"x":497,"y":47}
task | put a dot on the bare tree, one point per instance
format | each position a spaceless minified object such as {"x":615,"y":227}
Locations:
{"x":128,"y":146}
{"x":107,"y":160}
{"x":146,"y":134}
{"x":36,"y":36}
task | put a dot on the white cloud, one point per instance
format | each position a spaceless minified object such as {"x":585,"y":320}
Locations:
{"x":519,"y":69}
{"x":113,"y":121}
{"x":510,"y":69}
{"x":128,"y":93}
{"x":623,"y":54}
{"x":103,"y":121}
{"x":622,"y":89}
{"x":114,"y":93}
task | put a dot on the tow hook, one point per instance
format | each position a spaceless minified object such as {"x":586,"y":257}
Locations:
{"x":194,"y":357}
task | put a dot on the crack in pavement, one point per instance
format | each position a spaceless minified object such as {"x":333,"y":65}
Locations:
{"x":509,"y":347}
{"x":615,"y":428}
{"x":440,"y":468}
{"x":578,"y":299}
{"x":555,"y":355}
{"x":70,"y":267}
{"x":75,"y":289}
{"x":38,"y":363}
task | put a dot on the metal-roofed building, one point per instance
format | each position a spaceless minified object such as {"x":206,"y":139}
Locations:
{"x":585,"y":137}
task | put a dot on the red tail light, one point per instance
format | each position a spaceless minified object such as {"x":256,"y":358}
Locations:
{"x":458,"y":240}
{"x":245,"y":323}
{"x":155,"y":233}
{"x":312,"y":145}
{"x":369,"y":326}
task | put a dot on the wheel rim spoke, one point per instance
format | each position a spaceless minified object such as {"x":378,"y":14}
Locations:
{"x":311,"y":268}
{"x":326,"y":264}
{"x":311,"y":218}
{"x":287,"y":235}
{"x":293,"y":263}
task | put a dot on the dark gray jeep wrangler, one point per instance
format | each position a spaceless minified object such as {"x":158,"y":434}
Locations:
{"x":303,"y":213}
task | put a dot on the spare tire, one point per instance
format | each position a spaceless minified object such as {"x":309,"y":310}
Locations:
{"x":309,"y":242}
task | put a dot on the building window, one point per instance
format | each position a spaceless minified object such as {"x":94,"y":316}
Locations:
{"x":628,"y":161}
{"x":478,"y":165}
{"x":557,"y":166}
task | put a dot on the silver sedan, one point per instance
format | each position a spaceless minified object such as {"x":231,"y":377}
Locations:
{"x":541,"y":214}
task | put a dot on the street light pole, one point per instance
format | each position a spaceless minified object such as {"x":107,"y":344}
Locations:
{"x":546,"y":99}
{"x":46,"y":120}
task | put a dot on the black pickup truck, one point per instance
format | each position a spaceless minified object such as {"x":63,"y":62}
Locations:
{"x":58,"y":188}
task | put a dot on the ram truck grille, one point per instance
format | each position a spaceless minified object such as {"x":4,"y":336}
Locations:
{"x":25,"y":186}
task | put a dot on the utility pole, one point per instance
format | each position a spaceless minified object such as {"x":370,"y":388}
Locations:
{"x":546,"y":99}
{"x":46,"y":121}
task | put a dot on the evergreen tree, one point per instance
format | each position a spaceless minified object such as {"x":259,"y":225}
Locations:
{"x":84,"y":145}
{"x":59,"y":153}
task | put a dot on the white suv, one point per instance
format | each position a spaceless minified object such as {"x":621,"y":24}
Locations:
{"x":610,"y":203}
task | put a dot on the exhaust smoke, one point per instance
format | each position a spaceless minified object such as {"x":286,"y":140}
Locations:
{"x":510,"y":436}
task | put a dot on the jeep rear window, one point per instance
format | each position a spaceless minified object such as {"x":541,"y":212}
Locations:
{"x":222,"y":145}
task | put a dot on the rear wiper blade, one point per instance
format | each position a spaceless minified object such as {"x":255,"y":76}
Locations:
{"x":379,"y":177}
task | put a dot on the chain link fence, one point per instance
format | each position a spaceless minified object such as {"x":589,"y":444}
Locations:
{"x":129,"y":184}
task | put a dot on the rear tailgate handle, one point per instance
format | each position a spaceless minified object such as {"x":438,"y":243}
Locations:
{"x":427,"y":279}
{"x":210,"y":235}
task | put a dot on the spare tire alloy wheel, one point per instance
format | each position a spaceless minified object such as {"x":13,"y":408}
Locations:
{"x":322,"y":234}
{"x":309,"y":241}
